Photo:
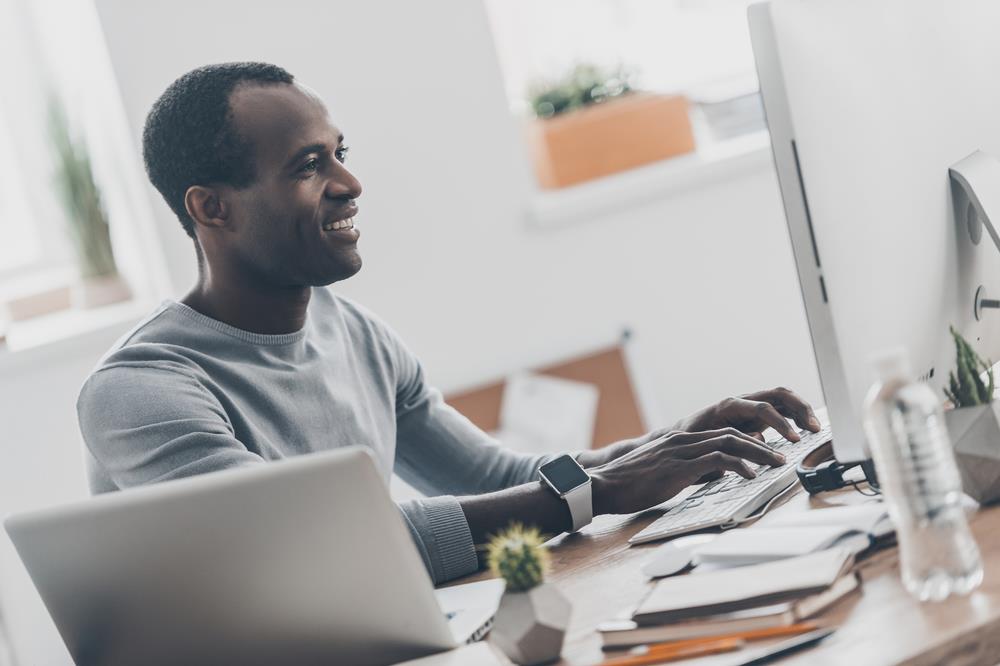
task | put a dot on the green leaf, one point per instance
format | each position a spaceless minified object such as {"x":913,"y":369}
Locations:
{"x":582,"y":86}
{"x":80,"y":198}
{"x":966,"y":386}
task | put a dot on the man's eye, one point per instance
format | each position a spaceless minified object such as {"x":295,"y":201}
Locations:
{"x":342,"y":154}
{"x":311,"y":166}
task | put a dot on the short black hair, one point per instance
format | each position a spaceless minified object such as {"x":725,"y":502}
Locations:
{"x":190,"y":138}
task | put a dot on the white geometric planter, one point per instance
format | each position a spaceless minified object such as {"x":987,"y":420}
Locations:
{"x":975,"y":437}
{"x":530,"y":626}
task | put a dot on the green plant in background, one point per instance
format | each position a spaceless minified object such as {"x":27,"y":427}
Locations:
{"x":965,"y":386}
{"x":81,"y":199}
{"x":584,"y":85}
{"x":517,"y":556}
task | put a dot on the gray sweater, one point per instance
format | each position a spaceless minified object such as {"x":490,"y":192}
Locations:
{"x":184,"y":394}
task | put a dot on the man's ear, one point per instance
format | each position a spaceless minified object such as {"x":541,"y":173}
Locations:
{"x":206,"y":207}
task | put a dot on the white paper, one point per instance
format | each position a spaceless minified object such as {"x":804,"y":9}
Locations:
{"x":547,"y":414}
{"x":870,"y":517}
{"x":761,"y":544}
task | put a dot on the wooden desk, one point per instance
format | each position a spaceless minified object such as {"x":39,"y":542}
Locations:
{"x":599,"y":573}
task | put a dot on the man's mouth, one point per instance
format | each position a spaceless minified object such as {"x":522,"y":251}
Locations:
{"x":347,"y":223}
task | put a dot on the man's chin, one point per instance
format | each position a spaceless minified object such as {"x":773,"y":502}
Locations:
{"x":344,"y":270}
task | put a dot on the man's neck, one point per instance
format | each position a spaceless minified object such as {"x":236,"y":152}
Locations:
{"x":268,"y":311}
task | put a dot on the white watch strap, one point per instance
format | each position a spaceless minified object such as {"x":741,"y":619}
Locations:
{"x":581,"y":506}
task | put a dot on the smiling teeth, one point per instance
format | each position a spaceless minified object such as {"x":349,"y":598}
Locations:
{"x":340,"y":224}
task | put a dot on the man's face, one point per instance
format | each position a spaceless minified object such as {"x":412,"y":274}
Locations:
{"x":281,"y":232}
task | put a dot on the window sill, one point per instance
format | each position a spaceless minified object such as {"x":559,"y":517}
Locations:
{"x":42,"y":338}
{"x":711,"y":164}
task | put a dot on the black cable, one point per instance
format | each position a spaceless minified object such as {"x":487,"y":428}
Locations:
{"x":873,"y":492}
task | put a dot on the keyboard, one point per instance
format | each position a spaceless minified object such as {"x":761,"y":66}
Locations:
{"x":731,"y":499}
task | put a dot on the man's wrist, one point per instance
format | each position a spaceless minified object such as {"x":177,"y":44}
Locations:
{"x":570,"y":482}
{"x":598,"y":489}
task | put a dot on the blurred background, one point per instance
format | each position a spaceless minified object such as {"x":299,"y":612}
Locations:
{"x":539,"y":177}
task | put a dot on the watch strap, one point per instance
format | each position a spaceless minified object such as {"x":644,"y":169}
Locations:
{"x":581,"y":506}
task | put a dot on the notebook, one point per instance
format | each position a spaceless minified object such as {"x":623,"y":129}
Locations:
{"x":626,"y":633}
{"x":728,"y":590}
{"x":776,"y":537}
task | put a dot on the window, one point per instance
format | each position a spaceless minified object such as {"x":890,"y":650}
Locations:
{"x":692,"y":46}
{"x":32,"y":242}
{"x":55,"y":51}
{"x":698,"y":49}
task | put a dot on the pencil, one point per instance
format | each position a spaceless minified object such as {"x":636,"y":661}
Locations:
{"x":666,"y":653}
{"x":751,"y":635}
{"x":773,"y":632}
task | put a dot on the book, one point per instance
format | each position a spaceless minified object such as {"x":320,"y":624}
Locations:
{"x":626,"y":633}
{"x":728,"y":590}
{"x":870,"y":517}
{"x":799,"y":533}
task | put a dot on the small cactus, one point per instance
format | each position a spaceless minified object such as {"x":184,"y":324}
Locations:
{"x":517,"y":556}
{"x":967,"y":388}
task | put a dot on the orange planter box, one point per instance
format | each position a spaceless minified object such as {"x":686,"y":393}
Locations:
{"x":609,"y":137}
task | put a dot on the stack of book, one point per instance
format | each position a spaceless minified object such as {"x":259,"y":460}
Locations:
{"x":790,"y":534}
{"x":743,"y":601}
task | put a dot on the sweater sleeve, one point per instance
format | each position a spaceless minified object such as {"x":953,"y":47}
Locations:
{"x":442,"y":454}
{"x":439,"y":451}
{"x":149,"y":422}
{"x":442,"y":536}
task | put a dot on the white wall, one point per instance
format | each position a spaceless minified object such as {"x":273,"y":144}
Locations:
{"x":705,"y":280}
{"x":42,"y":465}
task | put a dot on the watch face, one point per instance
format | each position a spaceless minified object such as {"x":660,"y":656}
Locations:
{"x":564,"y":474}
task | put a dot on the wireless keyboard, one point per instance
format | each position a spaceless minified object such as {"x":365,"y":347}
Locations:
{"x":731,"y":499}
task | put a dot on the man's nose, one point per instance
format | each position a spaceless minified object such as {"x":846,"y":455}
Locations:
{"x":343,"y":185}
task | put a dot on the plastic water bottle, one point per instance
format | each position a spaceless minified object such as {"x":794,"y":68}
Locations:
{"x":913,"y":456}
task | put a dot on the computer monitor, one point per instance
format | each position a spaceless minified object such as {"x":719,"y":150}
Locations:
{"x":869,"y":102}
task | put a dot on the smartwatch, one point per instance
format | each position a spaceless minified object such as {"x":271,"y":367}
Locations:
{"x":570,"y":481}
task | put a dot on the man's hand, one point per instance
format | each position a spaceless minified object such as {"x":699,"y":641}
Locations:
{"x":754,"y":413}
{"x":640,"y":473}
{"x":656,"y":471}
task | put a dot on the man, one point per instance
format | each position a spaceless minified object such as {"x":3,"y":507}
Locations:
{"x":260,"y":362}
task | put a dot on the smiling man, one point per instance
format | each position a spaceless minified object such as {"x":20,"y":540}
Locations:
{"x":260,"y":361}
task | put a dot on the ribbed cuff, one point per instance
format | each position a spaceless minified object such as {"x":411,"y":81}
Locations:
{"x":441,"y":527}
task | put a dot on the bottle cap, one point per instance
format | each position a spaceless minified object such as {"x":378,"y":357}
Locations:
{"x":893,"y":363}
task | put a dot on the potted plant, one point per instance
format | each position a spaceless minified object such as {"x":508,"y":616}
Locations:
{"x":100,"y":283}
{"x":531,"y":622}
{"x":974,"y":425}
{"x":593,"y":123}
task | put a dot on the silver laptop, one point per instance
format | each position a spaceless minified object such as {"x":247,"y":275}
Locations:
{"x":302,"y":561}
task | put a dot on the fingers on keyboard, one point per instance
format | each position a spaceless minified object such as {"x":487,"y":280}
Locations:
{"x":718,"y":461}
{"x":733,"y":445}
